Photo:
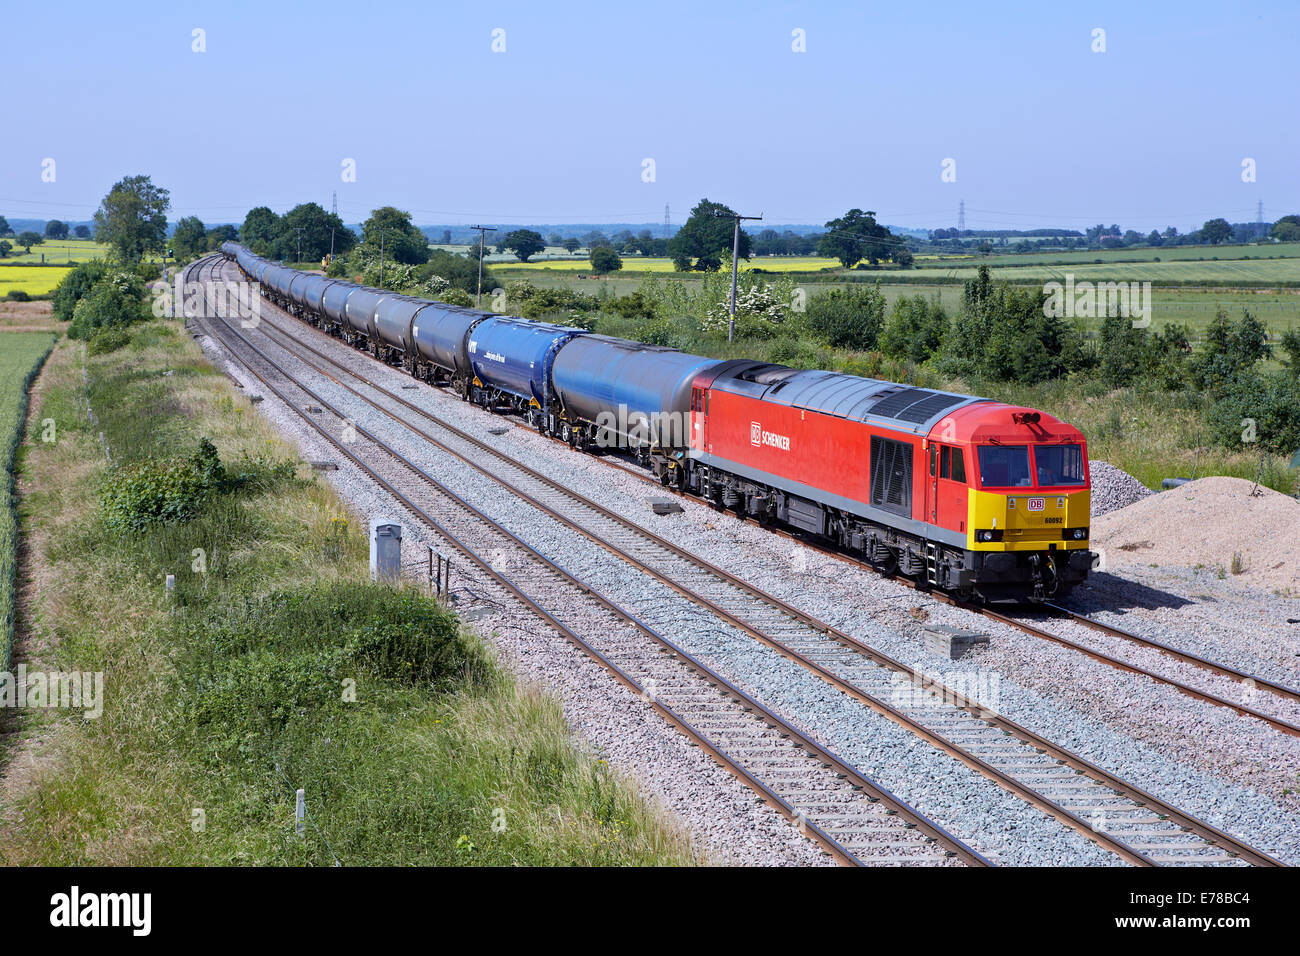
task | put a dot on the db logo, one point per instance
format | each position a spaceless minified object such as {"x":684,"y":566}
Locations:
{"x":755,"y":434}
{"x":1035,"y":504}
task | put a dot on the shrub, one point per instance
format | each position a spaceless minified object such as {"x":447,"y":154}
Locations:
{"x":107,"y":340}
{"x":116,"y":300}
{"x":75,"y":285}
{"x":455,"y":296}
{"x":136,"y":496}
{"x":534,"y":302}
{"x":847,"y":318}
{"x":915,"y":329}
{"x":1263,"y":407}
{"x":760,"y":313}
{"x":18,"y":295}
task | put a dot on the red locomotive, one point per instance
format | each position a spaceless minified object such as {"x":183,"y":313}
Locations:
{"x":979,"y":497}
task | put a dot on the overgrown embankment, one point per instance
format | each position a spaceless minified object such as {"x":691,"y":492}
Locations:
{"x":274,"y":665}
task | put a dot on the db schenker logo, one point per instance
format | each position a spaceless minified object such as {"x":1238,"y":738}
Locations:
{"x":758,"y":438}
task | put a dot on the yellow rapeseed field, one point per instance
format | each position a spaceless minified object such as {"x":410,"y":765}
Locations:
{"x":34,"y":280}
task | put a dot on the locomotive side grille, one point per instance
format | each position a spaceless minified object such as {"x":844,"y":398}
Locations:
{"x":891,"y":475}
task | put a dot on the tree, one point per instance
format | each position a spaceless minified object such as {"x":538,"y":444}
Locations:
{"x":28,"y":239}
{"x":706,"y":238}
{"x":5,"y":248}
{"x":1286,"y":229}
{"x":4,"y":226}
{"x":401,"y":241}
{"x":56,"y":229}
{"x":132,"y":218}
{"x":219,"y":234}
{"x":82,"y":232}
{"x":856,"y":236}
{"x":524,"y":243}
{"x":190,"y":238}
{"x":316,"y":226}
{"x":1216,"y":231}
{"x":571,"y":245}
{"x":261,"y":228}
{"x":604,"y":259}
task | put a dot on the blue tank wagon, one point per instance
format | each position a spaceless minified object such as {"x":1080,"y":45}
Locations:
{"x":511,"y":364}
{"x":616,"y":393}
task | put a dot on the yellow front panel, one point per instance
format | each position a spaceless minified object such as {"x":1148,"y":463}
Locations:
{"x":1028,"y":522}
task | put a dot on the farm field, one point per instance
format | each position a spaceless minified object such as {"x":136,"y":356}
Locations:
{"x":21,"y":353}
{"x":637,"y":264}
{"x":1204,"y":271}
{"x":34,"y":280}
{"x":57,"y":250}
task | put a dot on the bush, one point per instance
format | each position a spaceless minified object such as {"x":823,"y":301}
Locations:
{"x":760,"y":313}
{"x":75,"y":285}
{"x":272,"y":661}
{"x":455,"y":296}
{"x":535,"y":302}
{"x":18,"y":295}
{"x":915,"y":329}
{"x":117,"y":299}
{"x":1263,"y":407}
{"x":847,"y":318}
{"x":136,"y":496}
{"x":107,"y":340}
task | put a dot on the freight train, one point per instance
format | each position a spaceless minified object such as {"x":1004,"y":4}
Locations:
{"x":970,"y":495}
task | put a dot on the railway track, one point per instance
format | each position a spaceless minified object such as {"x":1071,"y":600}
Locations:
{"x":850,"y":815}
{"x":1250,"y":685}
{"x":1137,"y":826}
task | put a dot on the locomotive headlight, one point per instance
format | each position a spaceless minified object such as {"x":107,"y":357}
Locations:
{"x":1080,"y":534}
{"x":984,"y":536}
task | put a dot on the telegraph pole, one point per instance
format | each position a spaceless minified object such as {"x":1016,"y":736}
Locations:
{"x":381,"y":258}
{"x":482,"y":231}
{"x":299,"y":243}
{"x":735,"y":254}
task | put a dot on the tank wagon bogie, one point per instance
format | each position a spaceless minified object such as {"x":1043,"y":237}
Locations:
{"x":957,"y":492}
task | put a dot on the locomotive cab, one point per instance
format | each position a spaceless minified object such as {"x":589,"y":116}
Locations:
{"x":1028,"y":500}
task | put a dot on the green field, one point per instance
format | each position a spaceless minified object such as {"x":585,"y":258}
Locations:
{"x":56,"y":250}
{"x":34,"y":280}
{"x":21,"y":353}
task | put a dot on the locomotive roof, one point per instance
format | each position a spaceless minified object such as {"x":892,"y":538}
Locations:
{"x":902,"y":407}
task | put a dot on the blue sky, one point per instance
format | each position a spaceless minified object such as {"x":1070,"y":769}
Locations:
{"x":556,"y":128}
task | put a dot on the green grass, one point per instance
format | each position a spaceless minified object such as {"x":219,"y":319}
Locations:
{"x":21,"y":355}
{"x":223,"y":700}
{"x":56,"y":250}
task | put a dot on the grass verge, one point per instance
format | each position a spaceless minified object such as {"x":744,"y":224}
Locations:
{"x":276,"y":665}
{"x":21,"y":355}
